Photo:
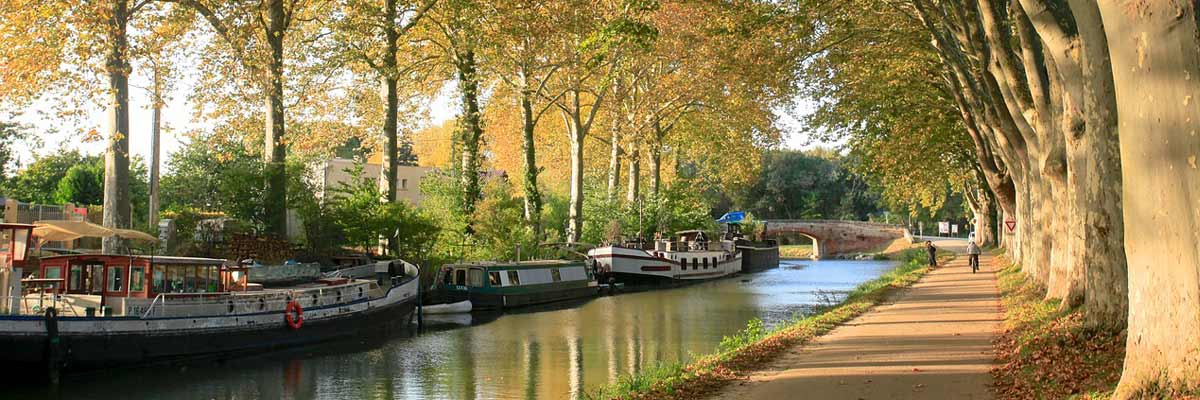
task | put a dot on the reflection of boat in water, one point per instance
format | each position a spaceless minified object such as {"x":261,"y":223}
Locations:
{"x":448,"y":308}
{"x":90,"y":311}
{"x":492,"y":285}
{"x":691,"y":258}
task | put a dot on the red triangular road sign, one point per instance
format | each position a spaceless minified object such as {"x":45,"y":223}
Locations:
{"x":1012,"y":225}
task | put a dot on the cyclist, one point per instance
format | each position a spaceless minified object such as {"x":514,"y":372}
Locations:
{"x":973,"y":254}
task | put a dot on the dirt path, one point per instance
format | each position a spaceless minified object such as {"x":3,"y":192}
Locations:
{"x":930,"y":341}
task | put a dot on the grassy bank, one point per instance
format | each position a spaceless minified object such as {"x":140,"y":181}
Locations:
{"x":795,"y":251}
{"x":1045,"y":352}
{"x":743,"y":352}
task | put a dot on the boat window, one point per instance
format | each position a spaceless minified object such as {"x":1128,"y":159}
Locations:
{"x":158,"y":279}
{"x":115,"y":278}
{"x":695,"y":264}
{"x":554,"y":274}
{"x":494,"y":279}
{"x":177,"y":279}
{"x":213,"y":278}
{"x":137,"y":279}
{"x":475,"y":278}
{"x":76,"y":281}
{"x":714,"y":262}
{"x":683,"y":264}
{"x":705,"y":262}
{"x":460,"y":277}
{"x":513,"y":278}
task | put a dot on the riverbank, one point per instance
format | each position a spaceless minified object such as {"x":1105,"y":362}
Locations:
{"x":741,"y":353}
{"x":1039,"y":340}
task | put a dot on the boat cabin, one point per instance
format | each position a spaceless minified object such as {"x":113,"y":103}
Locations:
{"x":139,"y":276}
{"x":524,"y":273}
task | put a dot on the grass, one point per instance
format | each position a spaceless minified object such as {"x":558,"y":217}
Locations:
{"x":795,"y":251}
{"x":1046,"y":352}
{"x":744,"y":351}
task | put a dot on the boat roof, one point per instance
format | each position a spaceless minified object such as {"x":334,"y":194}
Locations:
{"x":156,"y":259}
{"x":516,"y":264}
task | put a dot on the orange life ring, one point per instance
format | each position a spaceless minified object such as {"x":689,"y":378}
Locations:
{"x":294,"y":315}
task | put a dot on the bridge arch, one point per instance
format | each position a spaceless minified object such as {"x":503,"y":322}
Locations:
{"x":831,"y":237}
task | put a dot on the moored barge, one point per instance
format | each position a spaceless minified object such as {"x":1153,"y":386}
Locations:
{"x":504,"y":285}
{"x":691,"y":258}
{"x":88,"y":311}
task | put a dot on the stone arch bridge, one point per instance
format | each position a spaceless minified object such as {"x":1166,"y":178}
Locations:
{"x":831,"y":237}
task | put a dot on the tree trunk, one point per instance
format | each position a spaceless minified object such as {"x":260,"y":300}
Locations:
{"x":1106,"y":298}
{"x":1155,"y":53}
{"x":576,"y":136}
{"x":116,"y":157}
{"x":471,"y":130}
{"x":533,"y":198}
{"x":275,"y":151}
{"x":155,"y":144}
{"x":391,"y":105}
{"x":614,"y":164}
{"x":656,"y":159}
{"x":635,"y":174}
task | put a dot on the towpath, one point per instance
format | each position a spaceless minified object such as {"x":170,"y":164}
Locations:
{"x":930,"y":341}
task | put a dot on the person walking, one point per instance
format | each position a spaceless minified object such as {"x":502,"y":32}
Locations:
{"x":973,"y":252}
{"x":932,"y":253}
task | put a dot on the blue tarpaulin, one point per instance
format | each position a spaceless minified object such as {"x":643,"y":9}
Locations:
{"x":732,"y":217}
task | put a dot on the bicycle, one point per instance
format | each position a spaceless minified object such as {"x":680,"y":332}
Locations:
{"x":973,"y":260}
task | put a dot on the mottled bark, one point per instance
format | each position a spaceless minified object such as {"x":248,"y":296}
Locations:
{"x":1106,"y":298}
{"x":391,"y":104}
{"x":614,"y":162}
{"x":155,"y":149}
{"x":575,"y":135}
{"x":116,"y":156}
{"x":635,"y":173}
{"x":656,"y":159}
{"x":1155,"y":53}
{"x":275,"y":149}
{"x":470,"y":130}
{"x":533,"y":198}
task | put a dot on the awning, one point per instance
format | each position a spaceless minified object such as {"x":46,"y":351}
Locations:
{"x":732,"y":217}
{"x":62,"y":230}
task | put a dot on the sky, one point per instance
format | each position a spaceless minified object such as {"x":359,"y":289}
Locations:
{"x":178,"y":118}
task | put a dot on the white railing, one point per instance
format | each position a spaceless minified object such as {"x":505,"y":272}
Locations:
{"x":161,"y":296}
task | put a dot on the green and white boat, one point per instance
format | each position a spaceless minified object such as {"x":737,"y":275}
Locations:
{"x":501,"y":285}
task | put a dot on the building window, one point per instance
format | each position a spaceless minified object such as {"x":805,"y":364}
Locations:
{"x":404,"y":184}
{"x":513,"y":278}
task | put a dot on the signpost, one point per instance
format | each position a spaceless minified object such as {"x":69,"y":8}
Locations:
{"x":1010,"y":224}
{"x":943,"y":227}
{"x":954,"y":229}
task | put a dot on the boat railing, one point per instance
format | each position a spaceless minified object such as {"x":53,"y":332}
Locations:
{"x":234,"y":303}
{"x":162,"y":297}
{"x":38,"y":303}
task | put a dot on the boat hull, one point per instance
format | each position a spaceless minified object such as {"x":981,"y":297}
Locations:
{"x":636,"y":267}
{"x":497,"y":301}
{"x":85,"y":344}
{"x":759,"y":256}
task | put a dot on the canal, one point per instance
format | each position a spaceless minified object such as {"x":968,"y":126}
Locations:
{"x":544,"y":354}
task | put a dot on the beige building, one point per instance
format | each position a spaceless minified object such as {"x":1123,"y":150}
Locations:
{"x":335,"y":172}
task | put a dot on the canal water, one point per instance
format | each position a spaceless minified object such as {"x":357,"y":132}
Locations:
{"x":549,"y":353}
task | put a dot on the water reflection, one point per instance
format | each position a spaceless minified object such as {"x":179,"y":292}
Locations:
{"x":539,"y":354}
